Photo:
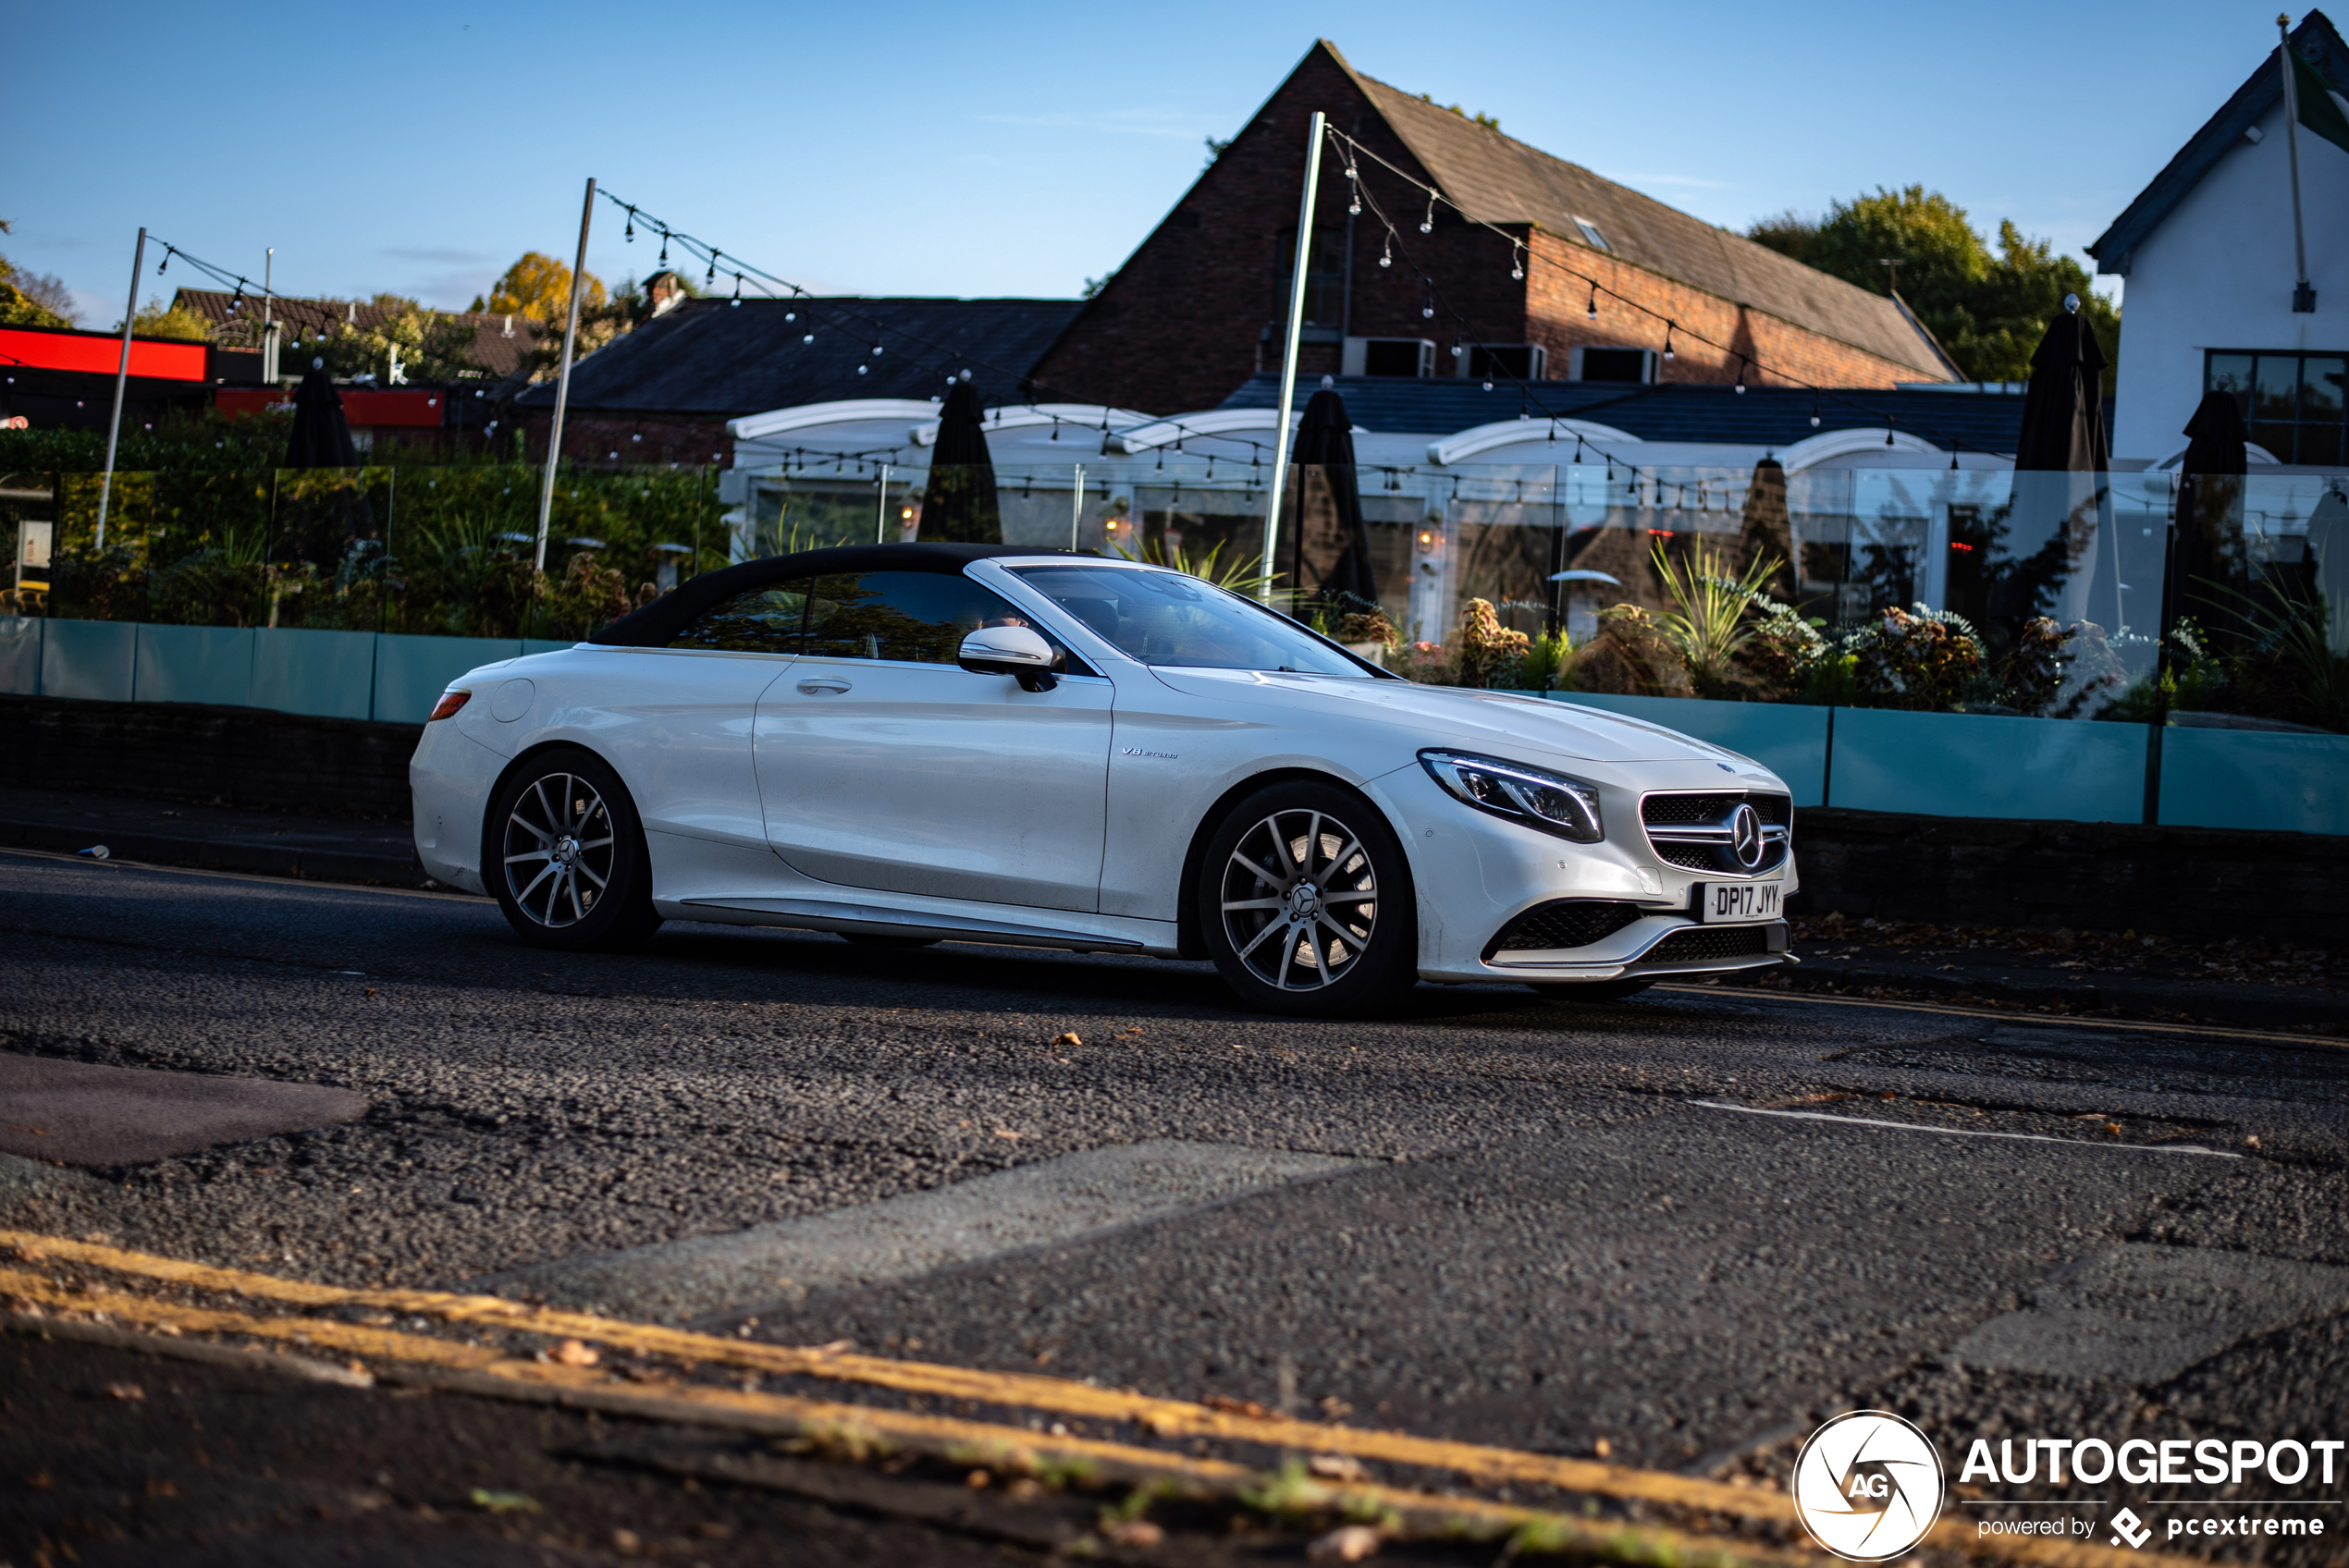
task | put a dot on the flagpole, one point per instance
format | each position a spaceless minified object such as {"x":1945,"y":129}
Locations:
{"x":2304,"y":298}
{"x":562,"y":378}
{"x":121,"y":377}
{"x":1288,"y":351}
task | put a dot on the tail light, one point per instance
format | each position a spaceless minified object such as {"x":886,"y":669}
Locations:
{"x":448,"y":704}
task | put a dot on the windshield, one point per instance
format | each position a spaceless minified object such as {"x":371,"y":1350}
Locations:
{"x":1167,"y":618}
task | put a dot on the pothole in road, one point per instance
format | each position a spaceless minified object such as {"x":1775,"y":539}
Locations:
{"x":2145,"y":1063}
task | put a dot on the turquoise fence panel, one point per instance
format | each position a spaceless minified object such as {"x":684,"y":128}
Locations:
{"x":541,"y":646}
{"x":2250,"y":778}
{"x":1789,"y":740}
{"x":330,"y":674}
{"x":195,"y":664}
{"x":21,"y":655}
{"x":1982,"y":765}
{"x":89,"y":659}
{"x":411,"y":672}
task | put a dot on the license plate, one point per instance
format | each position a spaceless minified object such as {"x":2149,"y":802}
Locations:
{"x":1730,"y":904}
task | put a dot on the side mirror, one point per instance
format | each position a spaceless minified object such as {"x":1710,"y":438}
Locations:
{"x":1016,"y":651}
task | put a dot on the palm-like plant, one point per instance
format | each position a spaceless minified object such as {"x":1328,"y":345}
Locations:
{"x":1707,"y":626}
{"x":1239,"y":575}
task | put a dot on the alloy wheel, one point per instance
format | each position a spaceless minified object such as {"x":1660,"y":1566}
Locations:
{"x":1300,"y":899}
{"x":559,"y":850}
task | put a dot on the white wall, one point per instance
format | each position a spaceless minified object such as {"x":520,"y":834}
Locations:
{"x":2218,"y":274}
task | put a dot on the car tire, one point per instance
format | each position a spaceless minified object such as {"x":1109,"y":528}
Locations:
{"x":1319,"y":864}
{"x":564,"y":856}
{"x":1588,"y":990}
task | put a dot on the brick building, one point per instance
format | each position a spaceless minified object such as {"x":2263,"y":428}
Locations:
{"x":1199,"y":307}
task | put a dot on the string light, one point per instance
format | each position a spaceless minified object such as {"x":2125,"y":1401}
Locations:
{"x":630,"y":235}
{"x":1740,"y":388}
{"x":1517,"y":261}
{"x":1594,"y":310}
{"x":1427,"y":224}
{"x":1814,"y":410}
{"x":1668,"y":329}
{"x":1387,"y":254}
{"x":738,"y":289}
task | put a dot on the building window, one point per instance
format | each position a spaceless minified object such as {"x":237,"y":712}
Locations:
{"x":2293,"y":403}
{"x":1324,"y":276}
{"x":1592,"y":235}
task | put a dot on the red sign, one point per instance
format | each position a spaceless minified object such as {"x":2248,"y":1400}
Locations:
{"x":157,"y":359}
{"x":361,"y":409}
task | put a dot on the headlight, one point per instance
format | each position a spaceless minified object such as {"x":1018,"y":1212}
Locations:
{"x":1551,"y":802}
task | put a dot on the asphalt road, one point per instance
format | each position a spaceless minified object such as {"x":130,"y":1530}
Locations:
{"x":1539,"y":1224}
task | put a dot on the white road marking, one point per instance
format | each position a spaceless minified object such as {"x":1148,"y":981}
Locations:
{"x":2140,"y":1314}
{"x":1052,"y":1201}
{"x":1967,"y":1131}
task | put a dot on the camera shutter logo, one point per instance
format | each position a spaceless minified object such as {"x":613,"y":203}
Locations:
{"x":1867,"y":1486}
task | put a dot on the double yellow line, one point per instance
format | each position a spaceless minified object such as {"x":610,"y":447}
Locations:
{"x":399,"y":1355}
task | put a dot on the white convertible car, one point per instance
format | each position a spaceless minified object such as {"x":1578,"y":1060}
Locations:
{"x":905,"y":744}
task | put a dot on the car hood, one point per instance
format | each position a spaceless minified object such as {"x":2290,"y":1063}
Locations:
{"x":1453,"y":715}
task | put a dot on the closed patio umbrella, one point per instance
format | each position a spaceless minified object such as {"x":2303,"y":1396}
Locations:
{"x":2062,"y":457}
{"x":326,"y":520}
{"x":1325,"y":441}
{"x":321,"y":435}
{"x":2206,"y":569}
{"x":958,"y":504}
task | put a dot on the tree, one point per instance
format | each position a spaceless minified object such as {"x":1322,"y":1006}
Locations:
{"x":1987,"y":309}
{"x":538,"y":287}
{"x":156,"y":319}
{"x":32,"y":298}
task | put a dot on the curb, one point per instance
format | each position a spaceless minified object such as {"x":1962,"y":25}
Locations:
{"x":307,"y":864}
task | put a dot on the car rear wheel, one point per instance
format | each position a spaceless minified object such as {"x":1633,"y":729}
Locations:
{"x":568,"y":863}
{"x":1306,"y":903}
{"x":1589,"y":990}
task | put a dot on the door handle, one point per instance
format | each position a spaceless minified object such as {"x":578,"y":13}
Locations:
{"x":823,"y":683}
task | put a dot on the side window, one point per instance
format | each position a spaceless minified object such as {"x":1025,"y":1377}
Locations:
{"x":912,"y":617}
{"x":764,"y":620}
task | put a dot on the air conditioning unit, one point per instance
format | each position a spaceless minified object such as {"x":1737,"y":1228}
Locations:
{"x":1403,"y":357}
{"x":1636,"y":366}
{"x":1505,"y":361}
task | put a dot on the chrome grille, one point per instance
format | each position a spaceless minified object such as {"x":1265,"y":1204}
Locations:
{"x":1693,"y":830}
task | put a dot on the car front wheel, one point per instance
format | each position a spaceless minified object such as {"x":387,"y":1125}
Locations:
{"x":1306,"y":903}
{"x":567,"y":858}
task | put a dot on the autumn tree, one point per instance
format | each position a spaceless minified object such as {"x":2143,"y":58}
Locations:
{"x":156,"y":319}
{"x":538,"y":287}
{"x":1989,"y":309}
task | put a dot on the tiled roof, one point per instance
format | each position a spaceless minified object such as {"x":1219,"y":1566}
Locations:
{"x":1498,"y":179}
{"x":1763,"y":416}
{"x":500,"y":342}
{"x":714,"y":358}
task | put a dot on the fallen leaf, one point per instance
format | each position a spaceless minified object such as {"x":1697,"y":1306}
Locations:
{"x":626,"y":1541}
{"x":1067,"y":1039}
{"x":1007,"y":1132}
{"x":1602,"y":1448}
{"x":1135,"y":1533}
{"x":1231,"y":1406}
{"x":1334,"y":1408}
{"x":1348,"y":1543}
{"x":979,"y":1480}
{"x":1335,"y":1467}
{"x":503,"y":1502}
{"x":126,"y":1390}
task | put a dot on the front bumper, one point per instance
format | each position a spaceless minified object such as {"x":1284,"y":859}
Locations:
{"x":1476,"y":873}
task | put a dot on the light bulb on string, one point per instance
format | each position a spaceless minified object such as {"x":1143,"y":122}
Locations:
{"x":1668,"y":339}
{"x":1814,"y":410}
{"x":1593,"y":312}
{"x":709,"y":278}
{"x":1740,"y":386}
{"x":1888,"y":438}
{"x":877,"y":351}
{"x":738,"y":289}
{"x":165,"y":263}
{"x":629,"y":233}
{"x":808,"y":337}
{"x":1427,"y":224}
{"x":1578,"y":448}
{"x":1517,"y":259}
{"x":664,"y":247}
{"x":1386,"y":252}
{"x":1488,"y":387}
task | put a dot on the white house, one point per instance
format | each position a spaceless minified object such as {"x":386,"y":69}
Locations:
{"x":2207,"y":250}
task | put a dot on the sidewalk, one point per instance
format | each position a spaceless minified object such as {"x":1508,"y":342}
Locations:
{"x":268,"y":843}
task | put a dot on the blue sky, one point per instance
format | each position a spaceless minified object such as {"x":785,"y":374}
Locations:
{"x":922,"y":148}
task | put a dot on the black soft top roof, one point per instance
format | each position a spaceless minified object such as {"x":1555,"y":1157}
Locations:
{"x":658,"y":624}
